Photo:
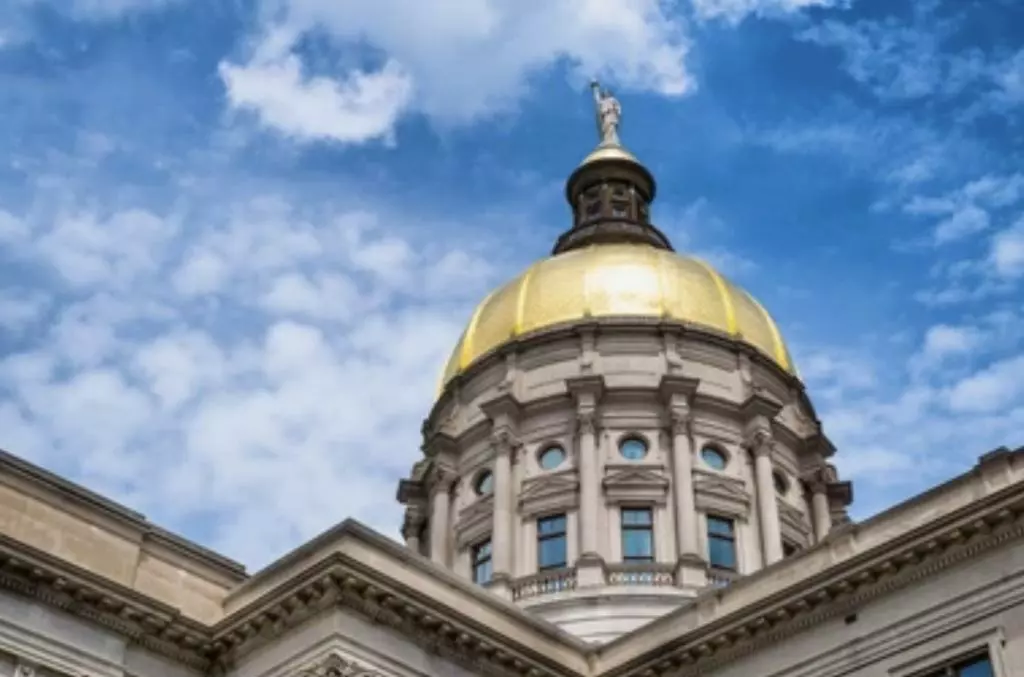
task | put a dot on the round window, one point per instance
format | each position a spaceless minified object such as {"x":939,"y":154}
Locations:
{"x":713,"y":457}
{"x":551,"y":457}
{"x":484,"y":483}
{"x":781,"y":483}
{"x":633,"y":448}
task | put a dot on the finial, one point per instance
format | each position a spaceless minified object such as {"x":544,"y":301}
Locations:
{"x":609,"y":114}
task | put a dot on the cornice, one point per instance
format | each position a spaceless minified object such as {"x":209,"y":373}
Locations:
{"x":141,"y":619}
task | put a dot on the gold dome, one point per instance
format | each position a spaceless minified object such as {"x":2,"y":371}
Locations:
{"x":617,"y":280}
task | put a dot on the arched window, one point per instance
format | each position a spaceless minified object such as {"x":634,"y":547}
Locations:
{"x":781,"y":483}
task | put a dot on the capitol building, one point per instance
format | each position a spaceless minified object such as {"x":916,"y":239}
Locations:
{"x":622,"y":475}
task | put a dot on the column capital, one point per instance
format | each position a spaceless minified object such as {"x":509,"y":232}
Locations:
{"x":586,"y":420}
{"x":681,"y":420}
{"x":412,"y":524}
{"x":504,"y":441}
{"x":502,"y":410}
{"x":760,"y":442}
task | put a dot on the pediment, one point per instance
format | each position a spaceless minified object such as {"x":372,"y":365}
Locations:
{"x":644,"y":484}
{"x":621,"y":476}
{"x":550,"y":492}
{"x":721,"y":494}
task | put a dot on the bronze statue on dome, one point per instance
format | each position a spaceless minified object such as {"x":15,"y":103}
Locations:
{"x":609,"y":114}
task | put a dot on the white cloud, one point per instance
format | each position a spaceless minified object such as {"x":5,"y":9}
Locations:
{"x":1007,"y":251}
{"x":997,"y":388}
{"x":968,"y":210}
{"x":293,"y":401}
{"x":455,"y":63}
{"x":362,"y":107}
{"x":736,"y":10}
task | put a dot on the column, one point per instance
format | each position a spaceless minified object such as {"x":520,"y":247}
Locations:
{"x":686,"y":506}
{"x":768,"y":509}
{"x":439,"y":521}
{"x":411,"y":529}
{"x":820,"y":511}
{"x":501,"y":529}
{"x":589,"y":486}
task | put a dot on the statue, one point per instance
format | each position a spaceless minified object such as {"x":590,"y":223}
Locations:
{"x":609,"y":114}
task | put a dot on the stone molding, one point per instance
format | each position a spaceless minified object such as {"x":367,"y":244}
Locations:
{"x":631,"y":483}
{"x":475,"y":521}
{"x":720,"y":494}
{"x":549,"y":493}
{"x":336,"y":665}
{"x":793,"y":524}
{"x":850,"y":580}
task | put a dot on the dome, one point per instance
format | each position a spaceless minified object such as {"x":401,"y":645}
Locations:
{"x":617,"y":280}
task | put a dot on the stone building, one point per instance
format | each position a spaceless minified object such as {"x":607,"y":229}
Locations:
{"x":622,"y":476}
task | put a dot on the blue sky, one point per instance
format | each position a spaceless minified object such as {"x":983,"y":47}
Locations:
{"x":239,"y":237}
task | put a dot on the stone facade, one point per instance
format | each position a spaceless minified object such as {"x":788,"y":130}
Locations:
{"x":937,"y":578}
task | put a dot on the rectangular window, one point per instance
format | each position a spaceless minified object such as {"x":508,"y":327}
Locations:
{"x":721,"y":543}
{"x":482,"y":563}
{"x":551,"y":542}
{"x":637,"y":535}
{"x":977,"y":666}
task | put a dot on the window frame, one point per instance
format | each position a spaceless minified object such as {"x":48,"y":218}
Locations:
{"x":625,"y":528}
{"x":634,"y":437}
{"x":550,"y":536}
{"x":729,"y":538}
{"x":476,"y":560}
{"x":714,"y":449}
{"x":954,"y":667}
{"x":481,"y":477}
{"x":545,"y":450}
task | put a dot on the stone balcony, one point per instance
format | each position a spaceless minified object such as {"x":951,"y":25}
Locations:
{"x":632,"y":574}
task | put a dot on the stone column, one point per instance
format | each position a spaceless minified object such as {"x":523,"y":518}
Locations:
{"x":768,"y":509}
{"x":590,"y":564}
{"x":685,"y":504}
{"x":820,"y":511}
{"x":501,"y":529}
{"x":439,"y":520}
{"x":411,"y":530}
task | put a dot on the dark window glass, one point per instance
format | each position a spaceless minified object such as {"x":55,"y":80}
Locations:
{"x":713,"y":457}
{"x":721,"y":543}
{"x":633,"y":448}
{"x":593,"y":209}
{"x":637,"y":535}
{"x":552,"y":457}
{"x":482,"y":569}
{"x":978,"y":666}
{"x":789,"y":548}
{"x":551,"y":542}
{"x":781,"y":484}
{"x":485,"y":483}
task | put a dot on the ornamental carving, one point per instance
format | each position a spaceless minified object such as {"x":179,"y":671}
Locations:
{"x":25,"y":670}
{"x":503,"y":441}
{"x":336,"y":665}
{"x":682,"y":421}
{"x":760,"y":442}
{"x":587,"y":422}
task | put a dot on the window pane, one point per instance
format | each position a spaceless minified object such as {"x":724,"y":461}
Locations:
{"x":482,"y":551}
{"x":713,"y":458}
{"x":551,"y":552}
{"x":485,"y":483}
{"x":637,"y":544}
{"x":482,"y":572}
{"x":981,"y":667}
{"x":636,"y":517}
{"x":720,"y":526}
{"x":552,"y":457}
{"x":551,"y":525}
{"x":722,"y":553}
{"x":633,"y":448}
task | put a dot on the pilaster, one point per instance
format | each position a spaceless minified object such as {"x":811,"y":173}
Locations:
{"x":587,"y":392}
